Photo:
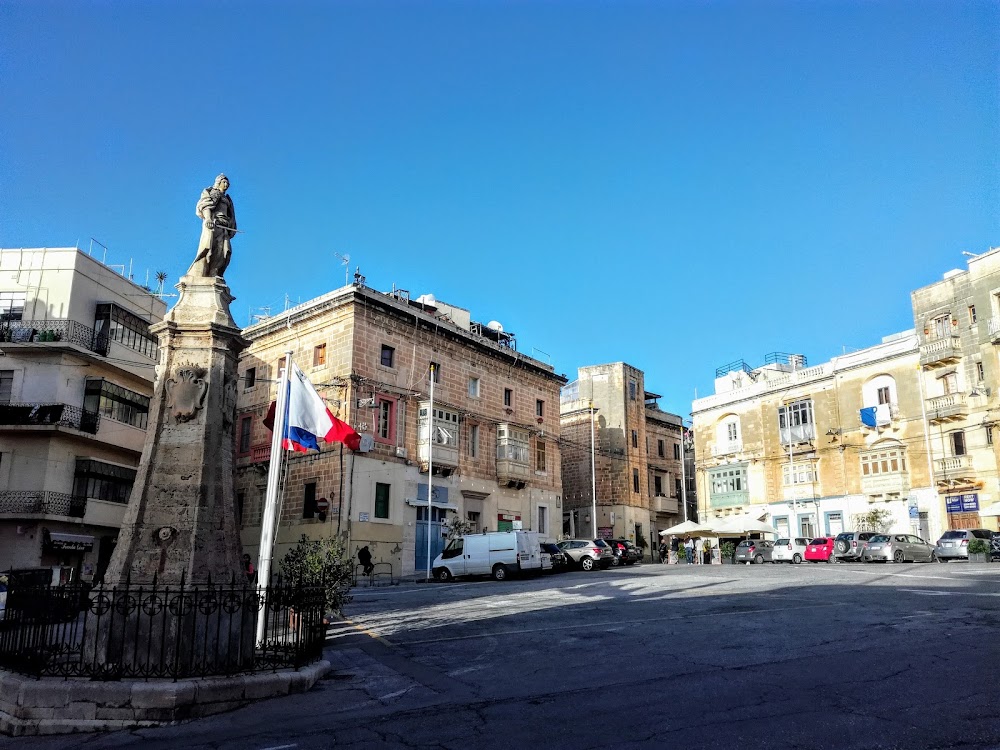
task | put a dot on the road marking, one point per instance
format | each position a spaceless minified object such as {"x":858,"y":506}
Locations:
{"x":279,"y":747}
{"x":367,"y":632}
{"x":929,"y":592}
{"x":395,"y":695}
{"x":612,"y":623}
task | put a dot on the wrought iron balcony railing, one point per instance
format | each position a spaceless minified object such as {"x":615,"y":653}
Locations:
{"x":49,"y":415}
{"x":41,"y":502}
{"x":43,"y":331}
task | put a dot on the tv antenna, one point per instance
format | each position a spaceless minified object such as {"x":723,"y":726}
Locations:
{"x":345,"y":261}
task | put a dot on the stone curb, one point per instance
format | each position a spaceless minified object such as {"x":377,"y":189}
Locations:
{"x":53,"y":705}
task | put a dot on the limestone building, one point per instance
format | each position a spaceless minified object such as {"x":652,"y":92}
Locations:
{"x":788,"y":444}
{"x":494,"y":427}
{"x":75,"y":380}
{"x":636,"y":450}
{"x":958,"y":324}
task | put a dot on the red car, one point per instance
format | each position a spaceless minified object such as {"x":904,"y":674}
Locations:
{"x":820,"y":549}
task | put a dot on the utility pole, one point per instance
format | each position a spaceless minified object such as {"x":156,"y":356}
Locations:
{"x":593,"y":476}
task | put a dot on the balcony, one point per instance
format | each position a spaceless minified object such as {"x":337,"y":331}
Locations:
{"x":48,"y":415}
{"x":664,"y":504}
{"x":994,"y":328}
{"x":954,"y":468}
{"x":726,"y":448}
{"x":879,"y":484}
{"x":42,"y":502}
{"x":943,"y":351}
{"x":948,"y":408}
{"x":47,"y":331}
{"x":260,"y":454}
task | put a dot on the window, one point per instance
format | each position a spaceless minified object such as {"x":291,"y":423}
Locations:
{"x":445,"y":426}
{"x":12,"y":305}
{"x":102,"y":481}
{"x":387,"y":357}
{"x":661,"y":450}
{"x":250,"y":378}
{"x":972,"y":315}
{"x":942,"y":326}
{"x":385,"y":426}
{"x":949,"y":382}
{"x":241,"y":500}
{"x":957,"y":443}
{"x":117,"y":403}
{"x":795,"y":422}
{"x":539,"y":408}
{"x":539,"y":455}
{"x":474,"y":387}
{"x":474,"y":440}
{"x":989,"y":434}
{"x":319,"y":355}
{"x":309,"y":500}
{"x":543,"y":520}
{"x":381,"y":500}
{"x":807,"y":526}
{"x":678,"y":490}
{"x":980,"y":372}
{"x":472,"y":516}
{"x":6,"y":385}
{"x":508,"y":397}
{"x":435,"y":370}
{"x":631,"y":390}
{"x":112,"y":323}
{"x":281,"y":365}
{"x":512,"y":444}
{"x":799,"y":472}
{"x":728,"y":486}
{"x":657,"y":484}
{"x":883,"y":395}
{"x":635,"y":480}
{"x":246,"y":429}
{"x":885,"y":461}
{"x":635,"y":439}
{"x":677,"y":451}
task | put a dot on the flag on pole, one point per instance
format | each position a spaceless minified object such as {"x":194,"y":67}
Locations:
{"x":309,"y":420}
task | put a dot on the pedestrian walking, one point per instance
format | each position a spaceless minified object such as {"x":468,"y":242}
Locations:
{"x":664,"y":551}
{"x":675,"y":545}
{"x":689,"y":549}
{"x":248,"y":567}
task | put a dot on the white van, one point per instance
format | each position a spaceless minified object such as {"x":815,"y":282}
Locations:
{"x":495,"y":553}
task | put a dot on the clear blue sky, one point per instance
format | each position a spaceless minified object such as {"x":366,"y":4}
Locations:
{"x":672,"y":184}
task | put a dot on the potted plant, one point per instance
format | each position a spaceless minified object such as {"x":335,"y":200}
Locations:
{"x":979,"y":551}
{"x":728,"y":550}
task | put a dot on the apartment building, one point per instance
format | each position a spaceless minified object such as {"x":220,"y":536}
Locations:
{"x":607,"y":415}
{"x":76,"y":377}
{"x":491,"y":438}
{"x":809,"y":449}
{"x":958,"y":323}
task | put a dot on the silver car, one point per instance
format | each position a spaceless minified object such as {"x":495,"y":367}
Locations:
{"x":954,"y":544}
{"x":754,"y":551}
{"x":898,"y":548}
{"x":789,"y":550}
{"x":587,"y":553}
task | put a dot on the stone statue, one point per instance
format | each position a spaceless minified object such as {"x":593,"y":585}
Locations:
{"x":218,"y":216}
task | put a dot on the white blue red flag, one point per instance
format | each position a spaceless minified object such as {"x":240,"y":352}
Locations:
{"x":309,"y":420}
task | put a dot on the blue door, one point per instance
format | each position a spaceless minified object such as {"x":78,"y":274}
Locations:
{"x":437,"y":540}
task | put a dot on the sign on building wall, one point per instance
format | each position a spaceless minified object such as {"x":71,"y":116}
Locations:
{"x":968,"y":503}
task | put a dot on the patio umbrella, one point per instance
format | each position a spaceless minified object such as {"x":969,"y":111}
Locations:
{"x":688,"y":527}
{"x":745,"y":525}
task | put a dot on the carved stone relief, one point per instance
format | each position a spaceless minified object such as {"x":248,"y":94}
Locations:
{"x":186,"y":392}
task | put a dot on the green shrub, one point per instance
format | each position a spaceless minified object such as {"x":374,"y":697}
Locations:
{"x":978,"y":547}
{"x":314,"y":562}
{"x":728,"y":549}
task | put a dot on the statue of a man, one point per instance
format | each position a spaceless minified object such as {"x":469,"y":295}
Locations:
{"x":218,"y":216}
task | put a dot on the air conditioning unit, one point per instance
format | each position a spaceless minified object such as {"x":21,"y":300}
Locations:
{"x":401,"y":452}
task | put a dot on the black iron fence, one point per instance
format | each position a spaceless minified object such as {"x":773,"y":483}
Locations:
{"x":69,"y":331}
{"x":49,"y":414}
{"x":156,"y":631}
{"x":42,"y":502}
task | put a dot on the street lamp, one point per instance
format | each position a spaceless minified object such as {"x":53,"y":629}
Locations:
{"x":593,"y":476}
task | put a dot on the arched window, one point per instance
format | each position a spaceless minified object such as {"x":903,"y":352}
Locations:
{"x":879,"y":390}
{"x":728,"y":436}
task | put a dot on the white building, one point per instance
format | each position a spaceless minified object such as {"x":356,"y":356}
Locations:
{"x":75,"y":380}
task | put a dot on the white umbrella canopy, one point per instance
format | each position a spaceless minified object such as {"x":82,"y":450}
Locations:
{"x":743,"y":526}
{"x":688,"y":527}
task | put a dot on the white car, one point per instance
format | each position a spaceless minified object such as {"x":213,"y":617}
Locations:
{"x":789,"y":550}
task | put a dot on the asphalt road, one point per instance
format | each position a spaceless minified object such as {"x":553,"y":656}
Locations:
{"x":810,"y":656}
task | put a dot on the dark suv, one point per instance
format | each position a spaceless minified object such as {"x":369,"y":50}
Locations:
{"x":850,"y":544}
{"x":625,"y":551}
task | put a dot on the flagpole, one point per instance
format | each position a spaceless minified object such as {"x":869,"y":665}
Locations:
{"x":269,"y":520}
{"x":430,"y":471}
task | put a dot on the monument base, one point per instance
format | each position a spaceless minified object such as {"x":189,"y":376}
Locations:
{"x":53,"y":705}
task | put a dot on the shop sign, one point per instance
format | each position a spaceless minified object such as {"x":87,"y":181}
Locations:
{"x":968,"y":503}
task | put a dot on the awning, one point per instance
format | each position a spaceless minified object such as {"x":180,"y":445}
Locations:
{"x":436,"y":503}
{"x":70,"y":541}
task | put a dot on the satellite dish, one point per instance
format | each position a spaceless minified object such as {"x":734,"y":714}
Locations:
{"x":494,"y":325}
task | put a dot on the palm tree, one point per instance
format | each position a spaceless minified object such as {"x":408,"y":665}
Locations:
{"x":161,"y":276}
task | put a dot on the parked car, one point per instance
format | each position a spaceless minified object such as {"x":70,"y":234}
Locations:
{"x":586,"y":553}
{"x":954,"y":544}
{"x":849,"y":545}
{"x":754,"y":551}
{"x":607,"y":554}
{"x":497,"y":553}
{"x":898,"y":548}
{"x":625,"y":552}
{"x":557,"y":558}
{"x":820,"y":549}
{"x":790,"y":550}
{"x":995,"y":545}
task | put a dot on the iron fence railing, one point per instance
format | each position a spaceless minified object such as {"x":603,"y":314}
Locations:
{"x":42,"y":502}
{"x":69,"y":331}
{"x":50,"y":414}
{"x":156,"y":631}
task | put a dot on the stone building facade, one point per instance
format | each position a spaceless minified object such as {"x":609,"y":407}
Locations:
{"x":75,"y":379}
{"x":636,"y":450}
{"x":492,"y":440}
